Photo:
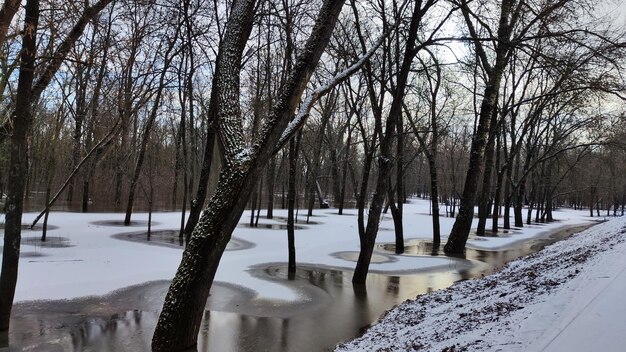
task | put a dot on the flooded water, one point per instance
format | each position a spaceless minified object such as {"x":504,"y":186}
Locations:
{"x":171,"y":238}
{"x":331,"y":309}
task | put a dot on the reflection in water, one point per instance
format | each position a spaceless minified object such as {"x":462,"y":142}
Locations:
{"x":354,"y":256}
{"x":171,"y":238}
{"x":120,"y":223}
{"x":51,"y":242}
{"x":331,"y":309}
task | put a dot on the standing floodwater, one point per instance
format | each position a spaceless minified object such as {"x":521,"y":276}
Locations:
{"x":330,"y":308}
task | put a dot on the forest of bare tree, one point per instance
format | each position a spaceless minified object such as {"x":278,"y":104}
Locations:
{"x":502,"y":111}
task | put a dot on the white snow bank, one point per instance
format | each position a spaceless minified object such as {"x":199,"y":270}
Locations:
{"x":568,"y":297}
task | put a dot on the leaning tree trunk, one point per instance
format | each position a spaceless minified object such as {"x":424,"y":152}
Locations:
{"x":18,"y":164}
{"x":180,"y":319}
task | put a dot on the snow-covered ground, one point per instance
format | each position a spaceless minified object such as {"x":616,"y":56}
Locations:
{"x":568,"y":297}
{"x":83,"y":258}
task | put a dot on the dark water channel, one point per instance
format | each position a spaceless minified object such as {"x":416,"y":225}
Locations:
{"x":330,"y":310}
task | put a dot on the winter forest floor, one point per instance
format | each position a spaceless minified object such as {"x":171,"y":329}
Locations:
{"x":96,"y":285}
{"x":568,"y":297}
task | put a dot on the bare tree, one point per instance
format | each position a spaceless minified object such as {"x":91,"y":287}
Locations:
{"x":179,"y":321}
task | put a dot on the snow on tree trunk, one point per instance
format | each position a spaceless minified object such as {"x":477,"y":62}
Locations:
{"x":180,"y":319}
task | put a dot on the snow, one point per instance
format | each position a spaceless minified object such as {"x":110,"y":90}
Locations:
{"x":568,"y":297}
{"x":96,"y":263}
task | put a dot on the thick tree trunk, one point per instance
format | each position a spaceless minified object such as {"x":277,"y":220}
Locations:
{"x":385,"y":163}
{"x":18,"y":164}
{"x":180,"y":319}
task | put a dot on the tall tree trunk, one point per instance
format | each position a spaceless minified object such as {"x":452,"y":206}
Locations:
{"x":397,"y":220}
{"x":498,"y":193}
{"x":396,"y":215}
{"x":180,"y":319}
{"x":291,"y":203}
{"x":483,"y":202}
{"x":434,"y":200}
{"x":18,"y":164}
{"x":146,"y":137}
{"x":385,"y":158}
{"x":463,"y":223}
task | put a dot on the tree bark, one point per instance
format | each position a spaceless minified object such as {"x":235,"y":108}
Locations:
{"x":271,"y":173}
{"x":180,"y":319}
{"x":344,"y":175}
{"x":8,"y":10}
{"x":18,"y":164}
{"x":463,"y":223}
{"x":385,"y":160}
{"x":483,"y":203}
{"x":148,"y":129}
{"x":317,"y":152}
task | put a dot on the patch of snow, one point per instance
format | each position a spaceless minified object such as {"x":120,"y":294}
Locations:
{"x":568,"y":297}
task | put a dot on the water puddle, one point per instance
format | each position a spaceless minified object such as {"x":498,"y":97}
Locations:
{"x":330,"y":310}
{"x":354,"y":256}
{"x":50,"y":242}
{"x":120,"y":223}
{"x":171,"y":238}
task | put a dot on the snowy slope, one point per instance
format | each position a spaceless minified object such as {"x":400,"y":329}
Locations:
{"x":568,"y":297}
